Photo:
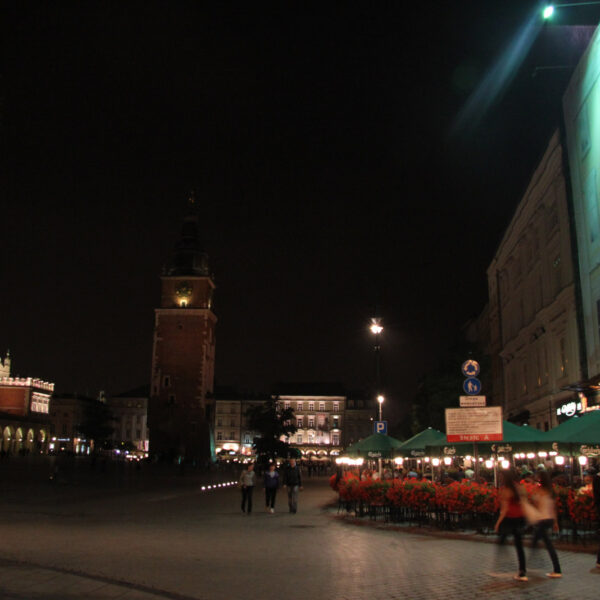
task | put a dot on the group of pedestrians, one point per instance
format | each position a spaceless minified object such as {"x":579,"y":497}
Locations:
{"x":517,"y":511}
{"x":291,"y":480}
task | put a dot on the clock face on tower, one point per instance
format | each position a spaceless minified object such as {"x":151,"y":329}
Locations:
{"x":184,"y":290}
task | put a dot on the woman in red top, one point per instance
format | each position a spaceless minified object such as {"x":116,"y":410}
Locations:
{"x":511,"y":519}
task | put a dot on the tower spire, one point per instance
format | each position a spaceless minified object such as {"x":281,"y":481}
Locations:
{"x":189,"y":257}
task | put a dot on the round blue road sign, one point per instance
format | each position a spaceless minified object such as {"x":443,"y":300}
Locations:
{"x":472,"y":386}
{"x":470,"y":368}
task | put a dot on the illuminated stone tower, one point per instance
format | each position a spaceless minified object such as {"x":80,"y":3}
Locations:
{"x":183,"y":357}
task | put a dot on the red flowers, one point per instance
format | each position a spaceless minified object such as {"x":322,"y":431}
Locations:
{"x":460,"y":497}
{"x":581,"y":506}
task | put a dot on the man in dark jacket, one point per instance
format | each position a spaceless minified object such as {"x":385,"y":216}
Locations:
{"x":596,"y":491}
{"x":292,"y":480}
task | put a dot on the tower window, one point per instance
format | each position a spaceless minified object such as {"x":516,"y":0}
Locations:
{"x":166,"y":381}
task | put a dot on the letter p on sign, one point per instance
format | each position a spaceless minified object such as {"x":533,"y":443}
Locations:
{"x":381,"y":427}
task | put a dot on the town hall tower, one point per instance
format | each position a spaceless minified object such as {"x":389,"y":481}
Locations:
{"x":183,"y":356}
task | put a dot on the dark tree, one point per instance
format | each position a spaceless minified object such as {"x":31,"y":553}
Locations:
{"x":272,"y":423}
{"x":97,"y":424}
{"x":441,"y":388}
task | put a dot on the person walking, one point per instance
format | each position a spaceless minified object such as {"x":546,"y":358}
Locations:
{"x":510,"y":520}
{"x":544,"y":501}
{"x":247,"y":480}
{"x":596,"y":493}
{"x":271,"y":481}
{"x":293,"y":482}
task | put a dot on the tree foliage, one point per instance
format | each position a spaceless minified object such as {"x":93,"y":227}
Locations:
{"x":97,"y":423}
{"x":271,"y":422}
{"x":441,"y":387}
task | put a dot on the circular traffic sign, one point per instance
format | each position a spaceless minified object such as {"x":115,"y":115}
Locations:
{"x":472,"y":386}
{"x":470,"y":368}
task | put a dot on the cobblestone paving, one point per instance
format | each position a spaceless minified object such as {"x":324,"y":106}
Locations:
{"x":193,"y":545}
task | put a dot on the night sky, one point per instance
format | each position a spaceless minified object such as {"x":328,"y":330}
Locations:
{"x":335,"y":170}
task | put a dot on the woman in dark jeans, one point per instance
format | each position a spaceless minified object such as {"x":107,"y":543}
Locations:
{"x":511,"y":520}
{"x":546,"y":505}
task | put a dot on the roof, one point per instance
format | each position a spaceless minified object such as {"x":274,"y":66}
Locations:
{"x":309,"y":389}
{"x":143,"y":391}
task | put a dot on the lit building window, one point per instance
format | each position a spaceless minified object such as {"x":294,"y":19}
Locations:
{"x":311,"y":406}
{"x":335,"y":439}
{"x":219,"y":435}
{"x":321,"y":406}
{"x":299,"y":422}
{"x":298,"y":438}
{"x":299,"y":406}
{"x":287,"y":404}
{"x":311,"y":422}
{"x":336,"y":406}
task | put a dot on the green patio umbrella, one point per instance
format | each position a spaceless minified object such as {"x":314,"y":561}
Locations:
{"x":377,"y":445}
{"x":578,"y":435}
{"x":416,"y":445}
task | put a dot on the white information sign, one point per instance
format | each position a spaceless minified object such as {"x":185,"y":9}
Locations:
{"x":472,"y":401}
{"x":474,"y":424}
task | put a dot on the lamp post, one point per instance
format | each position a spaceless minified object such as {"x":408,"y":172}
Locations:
{"x":376,"y":329}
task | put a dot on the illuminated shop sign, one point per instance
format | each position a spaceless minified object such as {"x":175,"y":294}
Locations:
{"x":570,"y":408}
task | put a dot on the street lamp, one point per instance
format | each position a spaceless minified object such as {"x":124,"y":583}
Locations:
{"x":380,"y":399}
{"x":376,"y":329}
{"x":549,"y":9}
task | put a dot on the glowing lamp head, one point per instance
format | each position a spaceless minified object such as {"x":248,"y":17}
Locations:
{"x":380,"y":399}
{"x":548,"y":11}
{"x":376,"y":327}
{"x":582,"y":460}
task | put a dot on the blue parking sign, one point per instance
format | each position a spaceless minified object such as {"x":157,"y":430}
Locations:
{"x":380,"y":427}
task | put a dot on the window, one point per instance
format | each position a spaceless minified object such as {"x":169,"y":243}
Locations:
{"x":166,"y":381}
{"x":336,"y":422}
{"x":232,"y":435}
{"x":219,"y":435}
{"x":219,"y":422}
{"x":171,"y":399}
{"x":311,"y":438}
{"x":311,"y":406}
{"x":287,"y":404}
{"x":299,"y":406}
{"x":231,"y":423}
{"x":563,"y":356}
{"x":321,"y":406}
{"x":335,"y":439}
{"x":138,"y":434}
{"x":298,"y":438}
{"x":247,"y":439}
{"x":336,"y":406}
{"x":232,"y":409}
{"x":299,"y":422}
{"x":321,"y":421}
{"x":311,"y":422}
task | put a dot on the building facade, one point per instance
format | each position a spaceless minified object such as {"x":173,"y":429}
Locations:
{"x":183,"y":357}
{"x":532,"y":305}
{"x":581,"y":111}
{"x":359,"y":417}
{"x":319,"y":412}
{"x":130,"y":414}
{"x":67,"y":415}
{"x":24,"y":412}
{"x":232,"y":433}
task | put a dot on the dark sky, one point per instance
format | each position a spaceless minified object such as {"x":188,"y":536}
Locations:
{"x":317,"y":138}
